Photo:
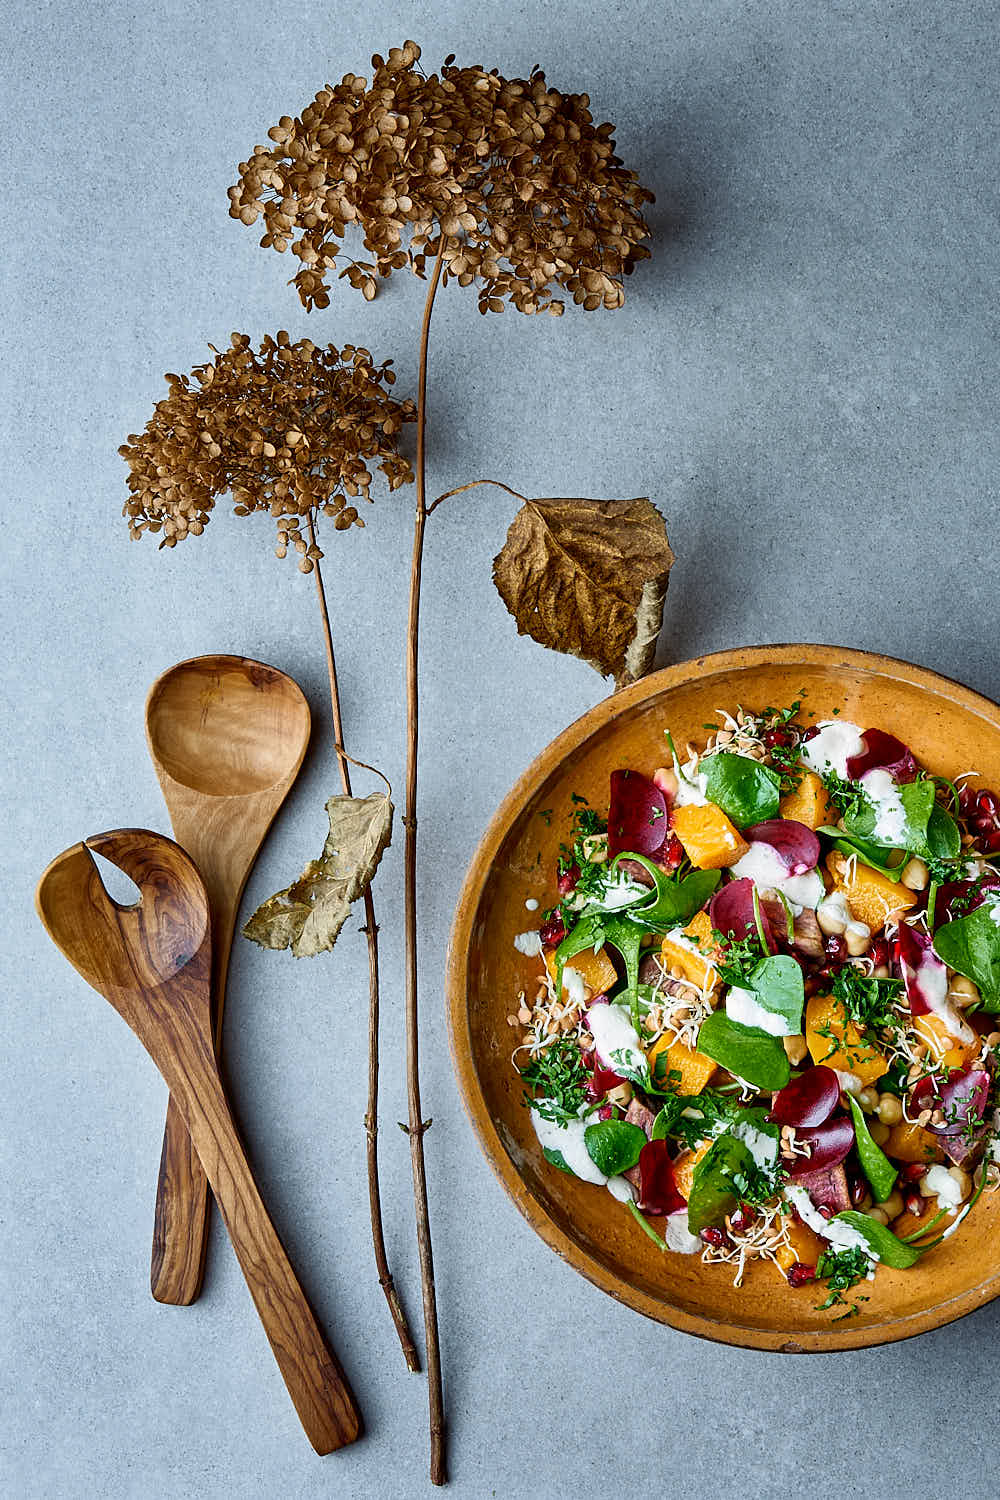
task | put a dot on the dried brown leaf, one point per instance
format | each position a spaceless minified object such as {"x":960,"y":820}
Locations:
{"x":588,"y":577}
{"x":307,"y":916}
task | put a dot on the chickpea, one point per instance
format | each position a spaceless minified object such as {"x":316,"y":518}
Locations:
{"x":963,"y":991}
{"x":915,"y":874}
{"x":889,"y":1109}
{"x":963,"y":1180}
{"x":858,"y":938}
{"x":795,"y":1049}
{"x":620,"y":1094}
{"x":993,"y":1040}
{"x":666,"y":780}
{"x":868,"y":1099}
{"x":923,"y":1187}
{"x":879,"y":1215}
{"x":878,"y":1132}
{"x":830,"y":921}
{"x":893,"y":1205}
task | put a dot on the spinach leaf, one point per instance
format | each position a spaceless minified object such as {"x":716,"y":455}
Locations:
{"x":777,"y":983}
{"x":750,"y":1053}
{"x":714,"y":1190}
{"x":627,"y":936}
{"x":890,"y":1250}
{"x":876,"y":856}
{"x":746,"y":791}
{"x":556,"y":1159}
{"x":690,"y":1118}
{"x":943,"y":840}
{"x":614,"y":1145}
{"x":874,"y":1163}
{"x":972,"y":946}
{"x":917,"y":798}
{"x":671,"y":902}
{"x":588,"y":933}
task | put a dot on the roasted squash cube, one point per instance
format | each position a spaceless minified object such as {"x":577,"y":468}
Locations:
{"x":684,"y":1168}
{"x":692,"y":1069}
{"x":804,"y":1245}
{"x":944,"y":1047}
{"x":907,"y":1142}
{"x":835,"y":1041}
{"x":683,"y":963}
{"x":872,"y":897}
{"x":710,"y":841}
{"x":809,"y":803}
{"x":595,"y":969}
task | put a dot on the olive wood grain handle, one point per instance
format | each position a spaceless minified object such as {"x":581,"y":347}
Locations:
{"x":180,"y":1217}
{"x":315,"y":1380}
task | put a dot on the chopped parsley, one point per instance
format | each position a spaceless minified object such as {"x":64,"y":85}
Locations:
{"x":842,"y":1270}
{"x":868,"y":1001}
{"x":560,"y":1078}
{"x":847,"y":796}
{"x":737,"y":957}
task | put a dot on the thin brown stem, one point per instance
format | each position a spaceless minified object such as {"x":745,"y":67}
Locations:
{"x":371,"y":931}
{"x":417,"y":1125}
{"x":473,"y":484}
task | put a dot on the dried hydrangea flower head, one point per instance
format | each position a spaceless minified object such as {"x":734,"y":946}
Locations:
{"x":525,"y":187}
{"x":287,"y":428}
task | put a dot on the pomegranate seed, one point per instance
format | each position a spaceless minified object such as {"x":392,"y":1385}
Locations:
{"x":983,"y":823}
{"x":914,"y":1204}
{"x":988,"y":802}
{"x":568,"y":879}
{"x":673,"y":853}
{"x":913,"y":1172}
{"x":605,"y":1112}
{"x":968,"y":799}
{"x":836,"y":947}
{"x":812,"y":985}
{"x":742,"y":1218}
{"x":991,"y":841}
{"x":879,"y":952}
{"x":713,"y":1237}
{"x":553,"y":931}
{"x":810,"y":734}
{"x":825,"y":1210}
{"x":774,"y":737}
{"x":799,"y":1274}
{"x":858,"y":1188}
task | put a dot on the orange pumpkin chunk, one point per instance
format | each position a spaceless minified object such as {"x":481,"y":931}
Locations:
{"x":872,"y":897}
{"x":595,"y":969}
{"x":683,"y":1067}
{"x":908,"y":1142}
{"x":835,"y":1041}
{"x":710,"y":841}
{"x":809,"y":803}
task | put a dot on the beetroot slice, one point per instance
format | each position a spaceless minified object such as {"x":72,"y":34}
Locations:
{"x":731,"y":913}
{"x":796,"y":845}
{"x":917,"y":960}
{"x":883,"y":752}
{"x":637,"y":815}
{"x":972,"y":893}
{"x":963,"y":1097}
{"x":830,"y":1143}
{"x":808,"y":1100}
{"x":827,"y":1188}
{"x":658,"y":1192}
{"x":601,"y":1081}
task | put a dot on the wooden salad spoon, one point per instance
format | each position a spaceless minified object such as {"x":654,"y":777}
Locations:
{"x":227,"y":736}
{"x":152,"y":961}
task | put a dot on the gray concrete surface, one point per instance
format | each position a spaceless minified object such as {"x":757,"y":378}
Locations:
{"x":804,"y":378}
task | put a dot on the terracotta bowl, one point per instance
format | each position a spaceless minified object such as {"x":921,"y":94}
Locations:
{"x":950,"y":729}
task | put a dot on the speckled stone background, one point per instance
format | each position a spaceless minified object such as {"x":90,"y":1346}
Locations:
{"x":804,"y":379}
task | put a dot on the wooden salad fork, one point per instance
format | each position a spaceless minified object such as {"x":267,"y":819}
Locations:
{"x":152,"y":962}
{"x":227,"y":737}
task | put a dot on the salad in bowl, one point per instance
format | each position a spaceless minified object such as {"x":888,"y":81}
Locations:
{"x":762,"y":1012}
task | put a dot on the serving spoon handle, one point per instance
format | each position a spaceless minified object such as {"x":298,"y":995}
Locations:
{"x":310,"y":1370}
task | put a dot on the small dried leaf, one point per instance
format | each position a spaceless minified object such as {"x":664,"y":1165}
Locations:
{"x":588,"y":577}
{"x":307,"y":916}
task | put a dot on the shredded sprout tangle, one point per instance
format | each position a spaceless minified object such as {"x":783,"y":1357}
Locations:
{"x":766,"y":1017}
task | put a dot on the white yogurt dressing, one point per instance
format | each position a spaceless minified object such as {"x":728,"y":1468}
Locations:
{"x":529,"y":943}
{"x":890,"y":814}
{"x":573,"y":986}
{"x":831,"y":749}
{"x":993,"y":907}
{"x":932,"y":979}
{"x":840,"y":1235}
{"x":531,"y":904}
{"x":764,"y":866}
{"x":622,"y":891}
{"x":850,"y":1083}
{"x":616,"y":1039}
{"x":943,"y":1186}
{"x":691,"y":784}
{"x":743,"y":1006}
{"x":994,"y":1148}
{"x":762,"y":1147}
{"x":677,"y":1235}
{"x":568,"y":1139}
